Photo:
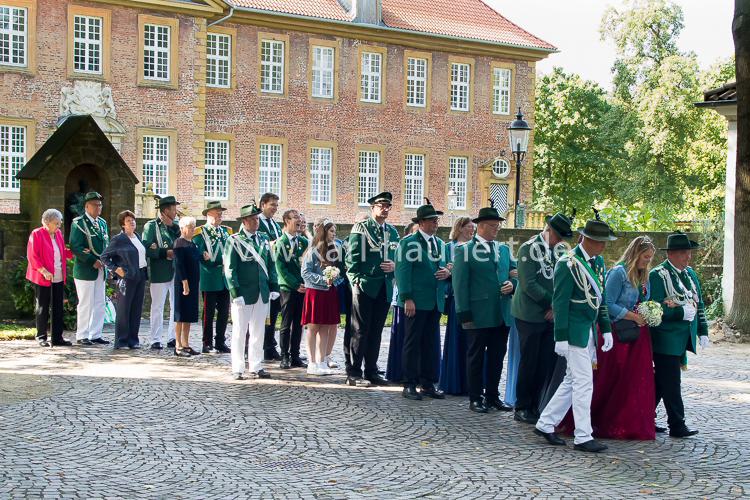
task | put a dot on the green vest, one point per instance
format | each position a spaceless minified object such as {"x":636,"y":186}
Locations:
{"x":212,"y":240}
{"x":536,"y":267}
{"x":574,"y":316}
{"x":674,"y":335}
{"x":367,"y":247}
{"x":158,"y":238}
{"x":288,"y":267}
{"x":478,"y":276}
{"x":415,"y":273}
{"x":245,"y":277}
{"x":270,"y":228}
{"x":87,"y":242}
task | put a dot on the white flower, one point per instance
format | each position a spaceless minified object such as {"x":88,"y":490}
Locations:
{"x":331,"y":273}
{"x":651,"y":312}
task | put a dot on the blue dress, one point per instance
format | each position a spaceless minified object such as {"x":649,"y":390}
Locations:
{"x":453,"y":367}
{"x":396,"y":346}
{"x":187,"y":259}
{"x":514,"y":357}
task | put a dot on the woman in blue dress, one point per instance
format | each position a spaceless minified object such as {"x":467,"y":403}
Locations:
{"x":453,"y":365}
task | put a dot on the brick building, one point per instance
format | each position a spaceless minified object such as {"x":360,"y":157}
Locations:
{"x":323,"y":101}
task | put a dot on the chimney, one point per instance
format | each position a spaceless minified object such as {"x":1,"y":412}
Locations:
{"x":364,"y":11}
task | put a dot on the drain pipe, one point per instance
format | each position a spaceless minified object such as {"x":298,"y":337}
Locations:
{"x":231,"y":12}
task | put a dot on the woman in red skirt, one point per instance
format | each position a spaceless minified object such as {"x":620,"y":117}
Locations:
{"x":322,"y":270}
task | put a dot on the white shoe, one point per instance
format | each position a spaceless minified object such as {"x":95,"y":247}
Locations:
{"x":312,"y":369}
{"x":324,"y":370}
{"x":331,"y":363}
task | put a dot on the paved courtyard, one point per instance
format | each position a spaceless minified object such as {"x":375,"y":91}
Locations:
{"x":95,"y":423}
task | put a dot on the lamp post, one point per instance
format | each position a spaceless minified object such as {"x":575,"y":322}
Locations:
{"x":452,"y":197}
{"x":518,"y":134}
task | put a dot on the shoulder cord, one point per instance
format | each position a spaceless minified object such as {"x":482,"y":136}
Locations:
{"x":582,"y":281}
{"x":85,"y":230}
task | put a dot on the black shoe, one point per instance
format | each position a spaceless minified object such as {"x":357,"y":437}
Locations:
{"x":238,"y":376}
{"x":61,"y":343}
{"x":100,"y":341}
{"x":551,"y":437}
{"x":525,"y":416}
{"x":430,"y":392}
{"x":207,"y":349}
{"x":192,"y":351}
{"x":84,"y":342}
{"x":378,"y":380}
{"x":410,"y":392}
{"x":286,"y":362}
{"x":682,"y":432}
{"x":592,"y":446}
{"x":183,"y":353}
{"x":477,"y":406}
{"x":660,"y":430}
{"x":221,"y":348}
{"x":43,"y":343}
{"x":357,"y":382}
{"x":298,"y":363}
{"x":156,"y":346}
{"x":260,"y":374}
{"x":272,"y":355}
{"x":498,"y":404}
{"x":134,"y":346}
{"x":172,"y":343}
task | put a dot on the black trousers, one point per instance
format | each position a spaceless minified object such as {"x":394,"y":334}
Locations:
{"x":420,"y":348}
{"x":668,"y":377}
{"x":485,"y":346}
{"x":269,"y":341}
{"x":347,"y":324}
{"x":368,"y":318}
{"x":129,"y":309}
{"x":46,"y":298}
{"x":536,"y":364}
{"x":215,"y":303}
{"x":290,"y":334}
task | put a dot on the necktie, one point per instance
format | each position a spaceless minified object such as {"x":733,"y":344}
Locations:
{"x":382,"y":233}
{"x":433,"y":247}
{"x":294,"y":243}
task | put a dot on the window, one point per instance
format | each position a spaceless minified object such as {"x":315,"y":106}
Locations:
{"x":413,"y":180}
{"x":272,"y":66}
{"x":322,"y":72}
{"x":158,"y":41}
{"x":12,"y":156}
{"x":501,"y":91}
{"x":321,"y":168}
{"x":457,"y":174}
{"x":460,"y":76}
{"x":270,"y":162}
{"x":369,"y":176}
{"x":371,"y":76}
{"x":14,"y":36}
{"x":500,"y":168}
{"x":416,"y":82}
{"x":156,"y":164}
{"x":156,"y":52}
{"x":216,"y":184}
{"x":87,"y":44}
{"x":219,"y":60}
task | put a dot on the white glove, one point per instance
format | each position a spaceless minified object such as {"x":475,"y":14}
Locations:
{"x":561,"y":348}
{"x":274,"y":295}
{"x":688,"y":312}
{"x":704,"y":341}
{"x":239,"y":301}
{"x":608,"y":342}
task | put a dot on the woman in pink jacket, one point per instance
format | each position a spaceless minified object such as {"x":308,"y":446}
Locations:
{"x":46,"y":255}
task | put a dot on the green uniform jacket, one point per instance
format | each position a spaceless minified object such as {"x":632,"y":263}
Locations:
{"x":415,"y":273}
{"x":160,"y":269}
{"x":85,"y":255}
{"x":268,"y":232}
{"x":288,"y":263}
{"x":246,"y":279}
{"x":365,"y":255}
{"x":212,"y":274}
{"x":674,"y":336}
{"x":575,"y":320}
{"x":477,"y":279}
{"x":533,"y":298}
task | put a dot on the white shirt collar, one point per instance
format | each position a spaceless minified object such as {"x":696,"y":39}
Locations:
{"x":675,"y":267}
{"x":248,"y":232}
{"x":480,"y":239}
{"x":426,"y":236}
{"x":93,"y":221}
{"x":586,"y":256}
{"x":290,"y":235}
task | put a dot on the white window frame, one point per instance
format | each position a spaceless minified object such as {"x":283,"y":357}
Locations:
{"x":501,"y":168}
{"x":272,"y":66}
{"x":416,"y":83}
{"x":371,"y":81}
{"x":13,"y":39}
{"x":460,"y":86}
{"x":216,"y":170}
{"x":458,"y":165}
{"x":218,"y":65}
{"x":322,"y":74}
{"x":152,"y":48}
{"x":155,"y":154}
{"x":368,"y":181}
{"x":321,"y":175}
{"x":12,"y":155}
{"x":414,"y":168}
{"x":88,"y":43}
{"x":270,"y":168}
{"x":501,"y":83}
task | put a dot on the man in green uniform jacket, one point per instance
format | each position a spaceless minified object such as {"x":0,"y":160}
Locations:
{"x":269,"y":205}
{"x":676,"y":287}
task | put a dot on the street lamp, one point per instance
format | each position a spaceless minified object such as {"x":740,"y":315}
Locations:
{"x":518,"y":134}
{"x":452,"y":197}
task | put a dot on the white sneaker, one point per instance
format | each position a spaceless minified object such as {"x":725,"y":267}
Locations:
{"x":331,"y":363}
{"x":312,"y":369}
{"x":324,"y":370}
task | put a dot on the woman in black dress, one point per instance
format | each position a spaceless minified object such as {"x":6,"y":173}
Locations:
{"x":187,"y":259}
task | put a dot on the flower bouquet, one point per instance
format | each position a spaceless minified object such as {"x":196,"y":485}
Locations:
{"x":331,"y":273}
{"x":651,"y":312}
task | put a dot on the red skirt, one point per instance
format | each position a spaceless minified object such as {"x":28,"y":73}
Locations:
{"x":321,"y":307}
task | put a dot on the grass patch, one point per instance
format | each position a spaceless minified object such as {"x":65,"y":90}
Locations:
{"x":17,"y":331}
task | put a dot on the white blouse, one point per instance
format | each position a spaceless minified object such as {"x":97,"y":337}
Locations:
{"x":57,"y":277}
{"x":141,"y":250}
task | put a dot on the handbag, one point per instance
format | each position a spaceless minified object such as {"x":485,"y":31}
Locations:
{"x":627,"y":331}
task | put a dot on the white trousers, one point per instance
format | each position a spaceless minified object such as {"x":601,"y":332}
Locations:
{"x":159,"y":292}
{"x":252,"y":317}
{"x":90,"y":310}
{"x":576,"y":390}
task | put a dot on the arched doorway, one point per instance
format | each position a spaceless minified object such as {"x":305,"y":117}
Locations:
{"x":82,"y":179}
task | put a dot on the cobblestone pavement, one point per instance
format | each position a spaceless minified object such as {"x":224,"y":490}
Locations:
{"x":92,"y":422}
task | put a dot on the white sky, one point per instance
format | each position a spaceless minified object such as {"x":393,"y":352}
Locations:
{"x":573,"y":27}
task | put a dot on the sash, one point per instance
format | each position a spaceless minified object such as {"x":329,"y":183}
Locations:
{"x":207,"y":239}
{"x":85,"y":231}
{"x":249,"y":248}
{"x":591,"y":275}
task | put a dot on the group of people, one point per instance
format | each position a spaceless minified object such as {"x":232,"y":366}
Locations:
{"x":556,"y":300}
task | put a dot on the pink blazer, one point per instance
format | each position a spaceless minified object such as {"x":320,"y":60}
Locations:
{"x":40,"y":253}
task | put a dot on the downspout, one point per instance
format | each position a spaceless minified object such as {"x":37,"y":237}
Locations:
{"x":231,"y":12}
